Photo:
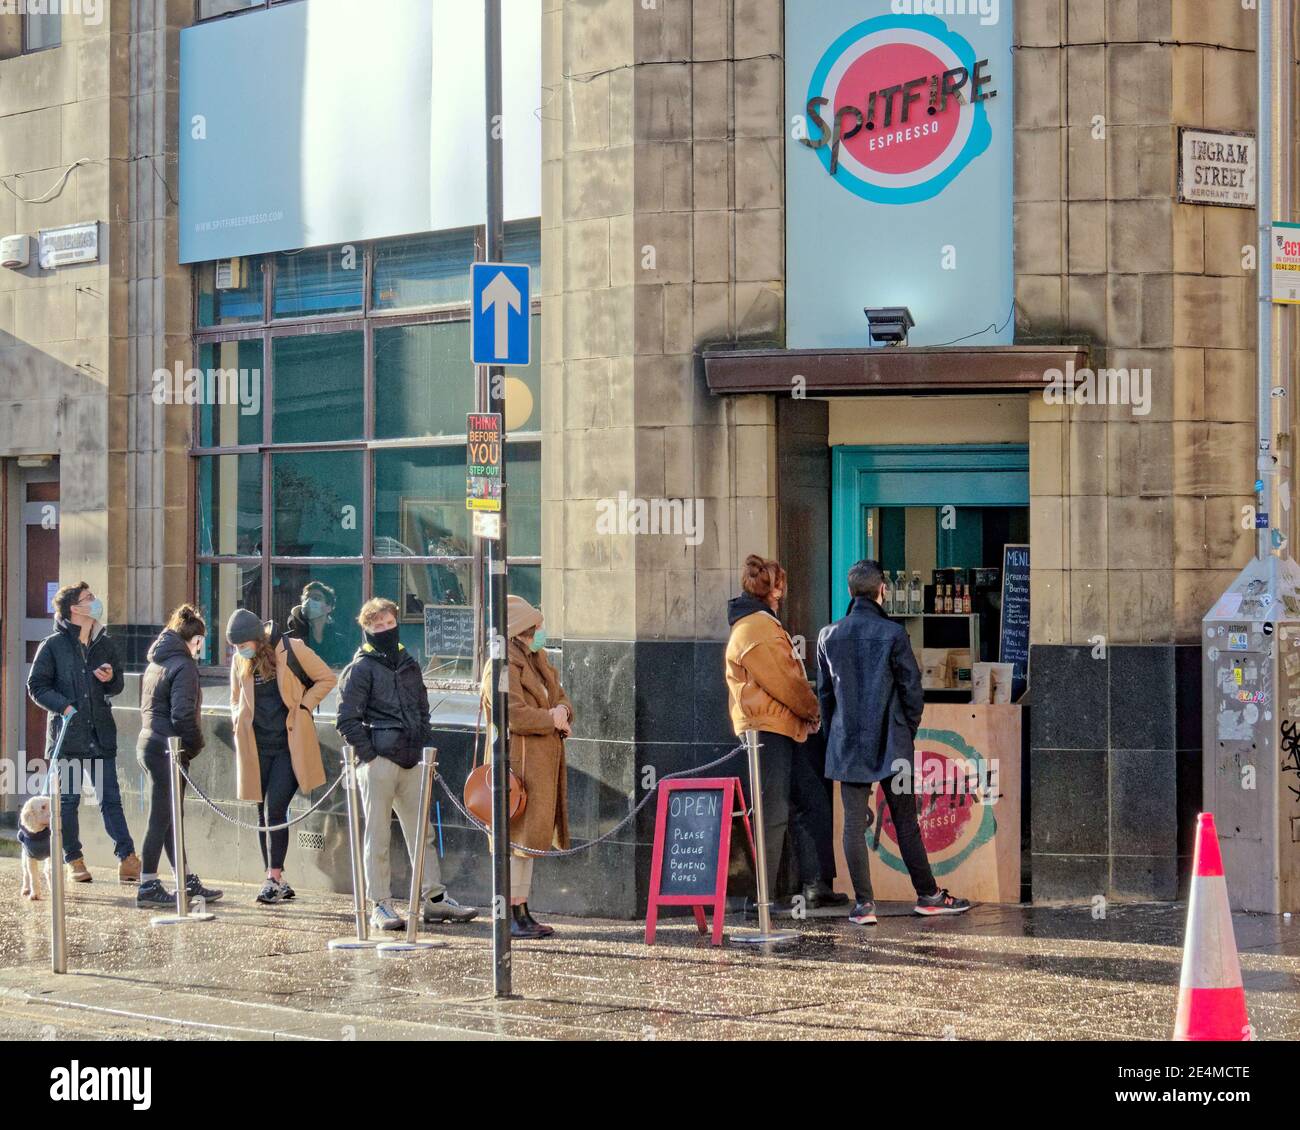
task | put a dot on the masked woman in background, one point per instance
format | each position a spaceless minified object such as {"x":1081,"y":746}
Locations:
{"x":541,"y":717}
{"x":312,"y":621}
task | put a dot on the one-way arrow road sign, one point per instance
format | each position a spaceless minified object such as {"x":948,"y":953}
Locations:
{"x":499,"y":314}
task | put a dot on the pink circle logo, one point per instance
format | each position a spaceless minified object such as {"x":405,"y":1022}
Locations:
{"x":899,"y":102}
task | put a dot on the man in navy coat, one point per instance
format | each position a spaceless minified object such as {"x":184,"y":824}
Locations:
{"x":870,"y":691}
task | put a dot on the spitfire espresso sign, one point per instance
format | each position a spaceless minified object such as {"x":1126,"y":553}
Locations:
{"x":898,"y":166}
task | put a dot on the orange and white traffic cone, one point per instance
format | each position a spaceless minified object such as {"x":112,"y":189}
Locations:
{"x":1211,"y":1000}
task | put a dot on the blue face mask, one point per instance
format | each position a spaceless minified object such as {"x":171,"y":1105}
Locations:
{"x":96,"y":609}
{"x":247,"y":651}
{"x":539,"y":640}
{"x":313,"y":609}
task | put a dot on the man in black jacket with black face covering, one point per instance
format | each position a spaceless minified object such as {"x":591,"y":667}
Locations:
{"x":384,"y":715}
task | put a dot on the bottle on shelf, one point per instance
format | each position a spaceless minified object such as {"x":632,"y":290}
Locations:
{"x":887,"y":593}
{"x":916,"y":594}
{"x":965,"y":598}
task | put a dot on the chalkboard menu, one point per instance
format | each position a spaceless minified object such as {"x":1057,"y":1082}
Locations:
{"x":1014,"y":647}
{"x":448,"y":630}
{"x":692,"y":849}
{"x":691,"y":841}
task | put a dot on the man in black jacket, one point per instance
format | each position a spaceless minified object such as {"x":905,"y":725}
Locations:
{"x":384,"y":715}
{"x":870,"y":691}
{"x":76,"y":671}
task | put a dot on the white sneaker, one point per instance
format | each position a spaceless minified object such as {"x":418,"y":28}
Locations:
{"x":385,"y":917}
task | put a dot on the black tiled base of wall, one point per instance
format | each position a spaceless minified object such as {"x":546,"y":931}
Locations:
{"x":1115,"y":756}
{"x":133,"y":642}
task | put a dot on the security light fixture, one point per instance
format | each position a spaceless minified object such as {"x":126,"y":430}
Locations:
{"x":889,"y":324}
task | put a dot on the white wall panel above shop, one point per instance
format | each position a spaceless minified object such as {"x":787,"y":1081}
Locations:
{"x":899,"y":169}
{"x":332,"y":121}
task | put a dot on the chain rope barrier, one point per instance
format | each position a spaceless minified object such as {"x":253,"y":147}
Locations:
{"x":469,"y":816}
{"x":259,"y":828}
{"x":538,"y":853}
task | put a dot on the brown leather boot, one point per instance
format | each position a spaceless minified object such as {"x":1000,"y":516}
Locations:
{"x":80,"y":872}
{"x":128,"y":870}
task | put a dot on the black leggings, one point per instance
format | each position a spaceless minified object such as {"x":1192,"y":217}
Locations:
{"x":278,"y":788}
{"x":158,"y":834}
{"x":902,"y":809}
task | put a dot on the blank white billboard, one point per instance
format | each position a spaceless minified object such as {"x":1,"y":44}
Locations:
{"x":330,"y":121}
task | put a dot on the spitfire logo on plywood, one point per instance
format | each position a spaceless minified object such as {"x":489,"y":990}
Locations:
{"x":897,"y":103}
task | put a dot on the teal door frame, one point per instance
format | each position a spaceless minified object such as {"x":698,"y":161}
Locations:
{"x":915,"y":475}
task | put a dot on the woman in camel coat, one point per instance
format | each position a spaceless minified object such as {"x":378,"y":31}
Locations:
{"x":276,"y":748}
{"x":541,"y":717}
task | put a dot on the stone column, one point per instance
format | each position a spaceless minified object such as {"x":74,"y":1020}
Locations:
{"x":663,"y":232}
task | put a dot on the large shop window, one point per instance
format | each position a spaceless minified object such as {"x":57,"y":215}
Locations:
{"x":329,"y":454}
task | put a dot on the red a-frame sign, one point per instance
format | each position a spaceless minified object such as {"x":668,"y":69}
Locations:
{"x":693,"y":823}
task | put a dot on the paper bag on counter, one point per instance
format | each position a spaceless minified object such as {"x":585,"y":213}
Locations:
{"x":1002,"y":679}
{"x":981,"y":684}
{"x":934,"y":668}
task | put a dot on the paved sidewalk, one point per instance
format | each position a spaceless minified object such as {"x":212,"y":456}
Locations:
{"x":264,"y":973}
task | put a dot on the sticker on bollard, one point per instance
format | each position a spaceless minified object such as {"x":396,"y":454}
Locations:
{"x":692,"y":848}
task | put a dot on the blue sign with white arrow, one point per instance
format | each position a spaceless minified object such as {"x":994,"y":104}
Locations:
{"x":500,"y":318}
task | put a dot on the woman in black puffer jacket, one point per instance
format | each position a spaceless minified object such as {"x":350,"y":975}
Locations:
{"x":170,"y":700}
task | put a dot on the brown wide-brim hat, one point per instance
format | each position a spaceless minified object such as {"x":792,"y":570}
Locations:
{"x":520,"y":616}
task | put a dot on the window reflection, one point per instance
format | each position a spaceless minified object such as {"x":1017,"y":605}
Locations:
{"x":316,"y":503}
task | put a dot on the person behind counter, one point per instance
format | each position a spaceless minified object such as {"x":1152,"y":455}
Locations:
{"x":871,"y":702}
{"x":312,"y":621}
{"x":767,"y":691}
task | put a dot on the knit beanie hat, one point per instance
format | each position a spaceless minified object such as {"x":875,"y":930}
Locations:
{"x":244,"y":627}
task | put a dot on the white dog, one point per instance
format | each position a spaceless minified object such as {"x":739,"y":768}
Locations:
{"x":34,"y":835}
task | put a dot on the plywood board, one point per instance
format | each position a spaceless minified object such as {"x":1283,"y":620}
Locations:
{"x":968,"y":774}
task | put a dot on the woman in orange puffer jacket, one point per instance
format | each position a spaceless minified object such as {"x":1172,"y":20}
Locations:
{"x":768,"y":691}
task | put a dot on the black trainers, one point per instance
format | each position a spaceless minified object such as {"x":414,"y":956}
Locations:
{"x":153,"y":893}
{"x":817,"y":895}
{"x":941,"y":902}
{"x":196,"y":890}
{"x":270,"y":893}
{"x":863,"y":914}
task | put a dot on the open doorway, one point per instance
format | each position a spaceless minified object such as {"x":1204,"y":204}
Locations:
{"x":31,"y":579}
{"x":939,"y":520}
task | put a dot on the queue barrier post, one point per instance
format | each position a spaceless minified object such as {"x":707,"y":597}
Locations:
{"x":764,"y":935}
{"x":58,"y":881}
{"x":183,"y":911}
{"x":363,"y":940}
{"x":413,"y":943}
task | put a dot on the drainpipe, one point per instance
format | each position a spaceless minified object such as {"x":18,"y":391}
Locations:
{"x":1273,"y":344}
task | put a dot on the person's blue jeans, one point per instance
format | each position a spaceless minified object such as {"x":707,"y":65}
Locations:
{"x":103,"y":772}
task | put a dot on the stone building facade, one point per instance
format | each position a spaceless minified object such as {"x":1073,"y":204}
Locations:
{"x":663,"y":240}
